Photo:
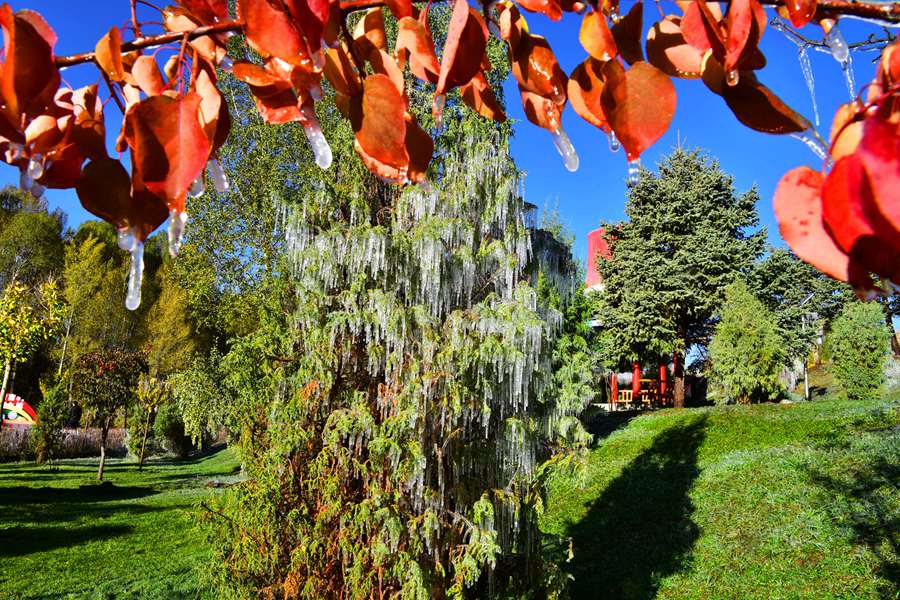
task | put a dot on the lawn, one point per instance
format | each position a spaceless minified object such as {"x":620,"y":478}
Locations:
{"x":770,"y":501}
{"x":63,"y":535}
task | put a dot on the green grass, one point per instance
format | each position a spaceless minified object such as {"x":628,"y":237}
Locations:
{"x":64,"y":535}
{"x":769,"y":501}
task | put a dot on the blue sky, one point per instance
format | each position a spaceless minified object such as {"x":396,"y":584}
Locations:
{"x":597,"y":190}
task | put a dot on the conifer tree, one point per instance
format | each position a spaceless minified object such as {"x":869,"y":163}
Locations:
{"x":687,"y":235}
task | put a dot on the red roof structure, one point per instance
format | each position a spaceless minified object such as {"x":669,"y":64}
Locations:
{"x":596,"y":246}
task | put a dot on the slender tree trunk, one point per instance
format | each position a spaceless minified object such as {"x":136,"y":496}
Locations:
{"x":3,"y":389}
{"x":103,"y":433}
{"x":62,"y":356}
{"x":678,"y":377}
{"x":144,"y":442}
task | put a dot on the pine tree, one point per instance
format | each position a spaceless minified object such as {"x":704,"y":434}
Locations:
{"x":747,"y":351}
{"x":687,"y":235}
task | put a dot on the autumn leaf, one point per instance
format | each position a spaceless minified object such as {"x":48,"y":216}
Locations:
{"x":478,"y":95}
{"x":585,"y":90}
{"x":29,"y":77}
{"x":466,"y":41}
{"x":272,"y":32}
{"x":801,"y":12}
{"x":639,"y":104}
{"x":596,"y":37}
{"x":668,"y":51}
{"x":147,"y":76}
{"x":379,"y":120}
{"x":628,"y":34}
{"x":548,"y":8}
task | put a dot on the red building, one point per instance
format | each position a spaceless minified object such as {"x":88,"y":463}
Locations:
{"x":597,"y":246}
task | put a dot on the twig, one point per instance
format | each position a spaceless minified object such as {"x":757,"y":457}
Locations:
{"x":134,"y":20}
{"x":112,"y":90}
{"x":781,"y":25}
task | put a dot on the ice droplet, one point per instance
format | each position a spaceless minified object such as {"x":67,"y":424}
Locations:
{"x":814,"y":142}
{"x":437,"y":109}
{"x":226,"y":64}
{"x":835,"y":41}
{"x":566,"y":149}
{"x":36,"y":166}
{"x":126,"y":239}
{"x":135,"y":274}
{"x":634,"y":172}
{"x":220,"y":181}
{"x":197,"y":187}
{"x":25,"y":181}
{"x":177,"y":221}
{"x":806,"y":67}
{"x":318,"y":59}
{"x":614,"y":144}
{"x":315,"y":137}
{"x":732,"y":78}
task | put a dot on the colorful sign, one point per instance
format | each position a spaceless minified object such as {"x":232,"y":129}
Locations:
{"x":17,"y":412}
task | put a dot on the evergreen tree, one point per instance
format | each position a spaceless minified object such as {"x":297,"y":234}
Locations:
{"x":747,"y":351}
{"x":687,"y":235}
{"x":858,"y":345}
{"x":173,"y":341}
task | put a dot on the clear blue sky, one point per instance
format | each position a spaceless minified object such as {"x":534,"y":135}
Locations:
{"x":597,"y":190}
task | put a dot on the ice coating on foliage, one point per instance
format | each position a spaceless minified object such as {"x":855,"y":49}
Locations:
{"x":812,"y":140}
{"x":36,"y":167}
{"x":565,"y":148}
{"x":806,"y":68}
{"x":422,"y":299}
{"x":732,"y":78}
{"x":836,"y":43}
{"x":126,"y":239}
{"x":634,"y":172}
{"x":129,"y":242}
{"x":217,"y":174}
{"x":177,"y":222}
{"x":197,"y":187}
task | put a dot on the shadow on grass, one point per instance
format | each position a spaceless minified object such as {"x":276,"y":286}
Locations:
{"x":640,"y":529}
{"x":106,"y":492}
{"x":864,"y":501}
{"x":21,"y":541}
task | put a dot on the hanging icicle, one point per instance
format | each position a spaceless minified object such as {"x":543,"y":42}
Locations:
{"x":36,"y":167}
{"x":566,"y":149}
{"x":614,"y":144}
{"x":836,"y":43}
{"x":315,"y":137}
{"x":217,"y":174}
{"x":177,"y":222}
{"x":128,"y":242}
{"x":634,"y":172}
{"x":806,"y":68}
{"x":812,"y":140}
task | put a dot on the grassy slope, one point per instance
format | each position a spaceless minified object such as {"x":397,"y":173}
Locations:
{"x":771,"y":501}
{"x":63,"y":535}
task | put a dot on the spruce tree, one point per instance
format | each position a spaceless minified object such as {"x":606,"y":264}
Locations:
{"x":687,"y":235}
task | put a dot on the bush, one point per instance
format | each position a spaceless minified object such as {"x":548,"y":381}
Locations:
{"x":47,"y":432}
{"x":137,"y":418}
{"x":168,"y":428}
{"x":859,"y":344}
{"x":747,"y":350}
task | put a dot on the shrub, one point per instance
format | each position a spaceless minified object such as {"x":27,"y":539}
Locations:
{"x":47,"y":432}
{"x":747,"y":350}
{"x":168,"y":428}
{"x":859,"y":343}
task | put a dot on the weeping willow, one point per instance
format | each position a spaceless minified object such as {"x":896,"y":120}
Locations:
{"x":403,"y":451}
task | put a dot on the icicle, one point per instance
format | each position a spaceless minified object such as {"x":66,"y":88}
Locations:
{"x":814,"y":142}
{"x":226,"y":64}
{"x":566,"y":149}
{"x":126,"y":239}
{"x":177,"y":221}
{"x":803,"y":57}
{"x":732,"y":78}
{"x":634,"y":172}
{"x":220,"y":181}
{"x":835,"y":41}
{"x":316,"y":92}
{"x":135,"y":274}
{"x":36,"y":167}
{"x":614,"y":144}
{"x":197,"y":187}
{"x":318,"y":143}
{"x":437,"y":109}
{"x":25,"y":181}
{"x":318,"y":59}
{"x":847,"y":68}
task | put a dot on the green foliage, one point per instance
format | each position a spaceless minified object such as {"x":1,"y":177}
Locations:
{"x":747,"y":350}
{"x":858,"y":344}
{"x":168,"y":428}
{"x":151,"y":393}
{"x":687,"y":236}
{"x":173,"y":340}
{"x":199,"y":396}
{"x":27,"y":318}
{"x":801,"y":297}
{"x":52,"y":414}
{"x":31,"y":245}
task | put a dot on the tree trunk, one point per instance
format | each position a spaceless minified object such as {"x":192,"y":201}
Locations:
{"x":3,"y":389}
{"x":103,"y":433}
{"x":144,"y":442}
{"x":62,"y":357}
{"x":678,"y":376}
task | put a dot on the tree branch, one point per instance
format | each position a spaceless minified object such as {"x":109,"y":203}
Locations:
{"x":886,"y":12}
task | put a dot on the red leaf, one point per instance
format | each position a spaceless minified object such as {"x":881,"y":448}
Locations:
{"x":879,"y":153}
{"x":414,"y":43}
{"x":108,"y":54}
{"x":214,"y":116}
{"x":701,"y":29}
{"x":667,"y":50}
{"x":170,"y":147}
{"x":466,"y":41}
{"x":798,"y":209}
{"x":271,"y":31}
{"x":29,"y":78}
{"x":89,"y":131}
{"x":147,"y":76}
{"x":536,"y":69}
{"x":400,"y":8}
{"x":801,"y":11}
{"x":851,"y":217}
{"x":311,"y":15}
{"x":207,"y":12}
{"x":479,"y":96}
{"x":744,"y":26}
{"x":549,"y":8}
{"x":368,"y":35}
{"x":585,"y":92}
{"x":340,"y":73}
{"x":596,"y":37}
{"x":846,"y":130}
{"x":541,"y":111}
{"x":420,"y":148}
{"x":639,"y":104}
{"x":628,"y":33}
{"x":757,"y":107}
{"x":379,"y":119}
